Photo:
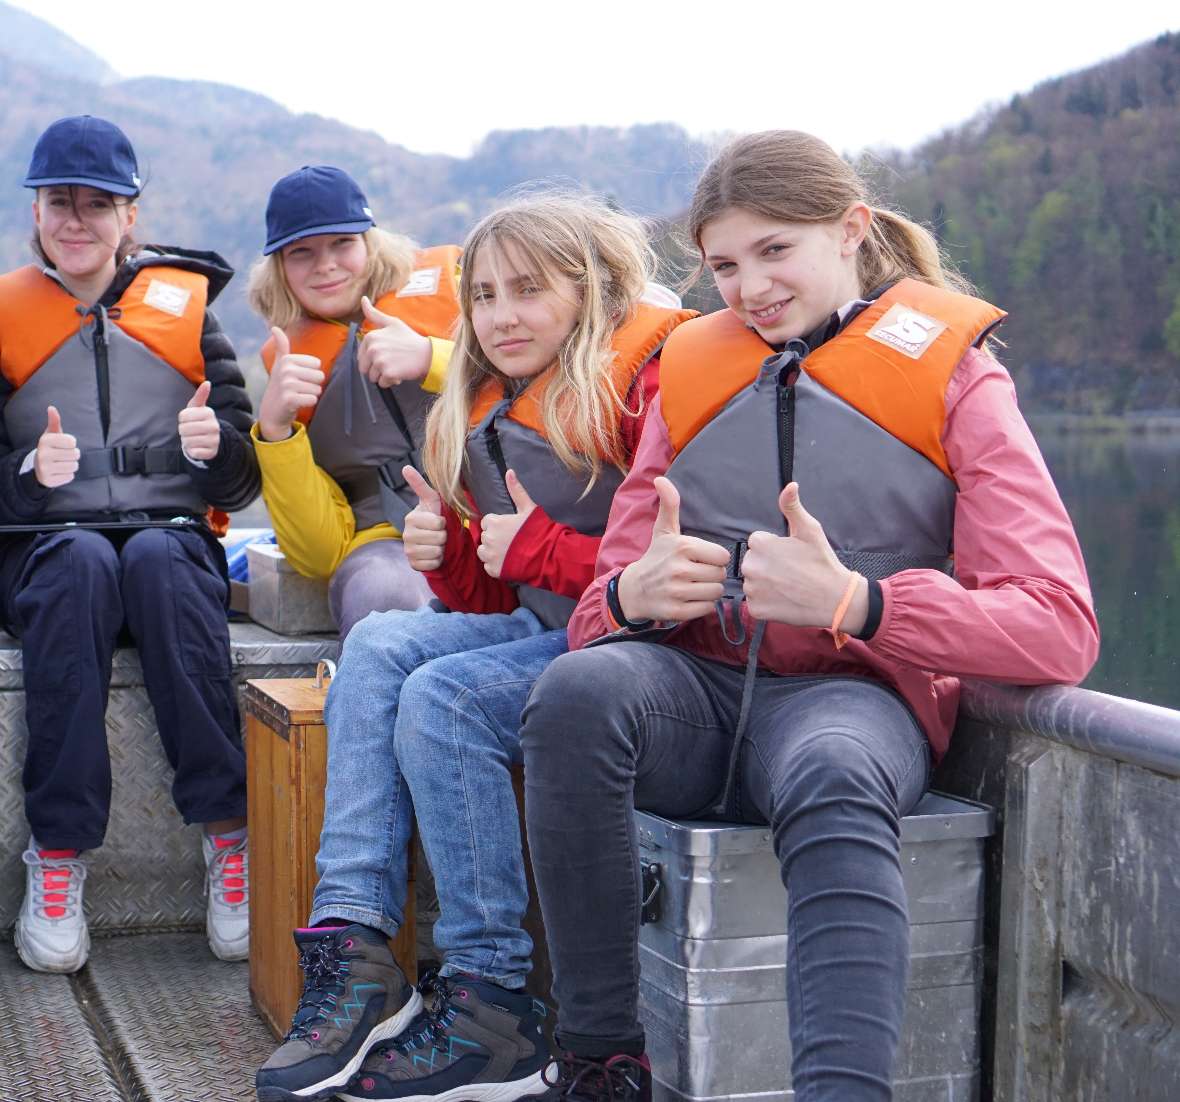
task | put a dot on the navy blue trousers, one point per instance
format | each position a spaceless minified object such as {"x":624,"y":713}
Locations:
{"x":69,"y":596}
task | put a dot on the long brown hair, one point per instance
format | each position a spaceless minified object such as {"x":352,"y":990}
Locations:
{"x":794,"y":177}
{"x":607,"y":257}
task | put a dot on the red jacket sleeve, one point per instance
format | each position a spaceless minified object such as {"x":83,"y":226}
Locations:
{"x":555,"y":556}
{"x":461,"y":582}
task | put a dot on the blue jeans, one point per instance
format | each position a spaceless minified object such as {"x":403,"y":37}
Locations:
{"x":830,"y":763}
{"x":424,"y":721}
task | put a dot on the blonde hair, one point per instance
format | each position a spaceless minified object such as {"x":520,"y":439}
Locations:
{"x":607,"y":256}
{"x":391,"y":259}
{"x":793,"y":177}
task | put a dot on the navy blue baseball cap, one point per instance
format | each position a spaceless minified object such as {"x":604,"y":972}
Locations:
{"x":86,"y":150}
{"x":316,"y":199}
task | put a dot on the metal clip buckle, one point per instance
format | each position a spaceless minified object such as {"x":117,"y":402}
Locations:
{"x":325,"y":666}
{"x":652,"y":883}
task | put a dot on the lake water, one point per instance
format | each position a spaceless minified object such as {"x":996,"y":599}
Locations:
{"x":1123,"y":493}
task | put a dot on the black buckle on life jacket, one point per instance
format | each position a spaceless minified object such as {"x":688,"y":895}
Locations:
{"x":127,"y":460}
{"x":734,"y":569}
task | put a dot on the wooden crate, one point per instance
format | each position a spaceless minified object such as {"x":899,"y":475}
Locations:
{"x":286,"y":767}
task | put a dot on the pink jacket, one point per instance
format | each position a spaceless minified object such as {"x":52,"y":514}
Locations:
{"x":1017,"y":610}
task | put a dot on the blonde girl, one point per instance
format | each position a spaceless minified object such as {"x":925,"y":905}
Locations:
{"x":780,"y":559}
{"x":553,"y":372}
{"x":359,"y":325}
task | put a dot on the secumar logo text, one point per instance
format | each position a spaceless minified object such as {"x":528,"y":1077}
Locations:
{"x":905,"y":329}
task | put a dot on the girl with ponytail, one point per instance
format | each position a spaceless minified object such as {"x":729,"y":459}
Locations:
{"x":779,"y":563}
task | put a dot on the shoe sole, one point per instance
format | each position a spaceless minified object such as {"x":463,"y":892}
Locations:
{"x":227,"y":950}
{"x":326,"y":1088}
{"x":476,"y":1092}
{"x":67,"y":966}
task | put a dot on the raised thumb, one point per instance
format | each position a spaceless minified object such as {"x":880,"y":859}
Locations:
{"x":427,"y":495}
{"x":374,"y":316}
{"x":800,"y":522}
{"x":282,"y":344}
{"x":201,"y":396}
{"x":668,"y":518}
{"x":520,"y":496}
{"x":53,"y":420}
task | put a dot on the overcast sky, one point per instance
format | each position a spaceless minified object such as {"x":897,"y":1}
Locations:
{"x":436,"y":75}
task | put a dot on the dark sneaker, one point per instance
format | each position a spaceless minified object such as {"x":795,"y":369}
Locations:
{"x":354,"y":996}
{"x":477,"y":1041}
{"x":616,"y":1079}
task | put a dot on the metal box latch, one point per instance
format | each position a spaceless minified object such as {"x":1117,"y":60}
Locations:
{"x":652,"y":882}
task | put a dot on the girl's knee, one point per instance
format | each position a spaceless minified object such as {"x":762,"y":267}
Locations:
{"x":87,"y":551}
{"x":378,"y":636}
{"x":147,"y":551}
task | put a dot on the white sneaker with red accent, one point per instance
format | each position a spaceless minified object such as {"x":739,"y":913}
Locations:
{"x":227,"y":890}
{"x":51,"y":933}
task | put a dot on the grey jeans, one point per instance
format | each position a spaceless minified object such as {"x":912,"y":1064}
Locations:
{"x":376,"y":577}
{"x":832,"y":764}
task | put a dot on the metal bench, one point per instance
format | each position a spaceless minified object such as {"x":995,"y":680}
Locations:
{"x":127,"y":889}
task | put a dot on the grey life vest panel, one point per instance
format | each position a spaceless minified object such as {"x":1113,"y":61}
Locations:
{"x":497,"y":444}
{"x":897,"y":512}
{"x":357,"y":436}
{"x":137,"y":467}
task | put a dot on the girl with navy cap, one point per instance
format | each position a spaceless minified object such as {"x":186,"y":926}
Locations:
{"x":357,"y":354}
{"x":123,"y":421}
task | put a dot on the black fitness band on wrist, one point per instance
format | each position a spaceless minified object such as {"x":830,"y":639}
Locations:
{"x":873,"y":615}
{"x":616,"y":609}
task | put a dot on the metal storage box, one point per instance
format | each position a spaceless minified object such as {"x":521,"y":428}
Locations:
{"x":713,"y":963}
{"x":282,"y":599}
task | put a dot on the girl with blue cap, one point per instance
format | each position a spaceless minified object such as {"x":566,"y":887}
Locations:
{"x":123,"y":421}
{"x":359,"y":319}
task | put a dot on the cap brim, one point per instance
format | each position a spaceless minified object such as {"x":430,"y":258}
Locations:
{"x":83,"y":181}
{"x":311,"y":231}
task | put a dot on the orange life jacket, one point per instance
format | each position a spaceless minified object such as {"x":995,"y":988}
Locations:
{"x":428,"y":302}
{"x":857,"y":423}
{"x":47,"y":348}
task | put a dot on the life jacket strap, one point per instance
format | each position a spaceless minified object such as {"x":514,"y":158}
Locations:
{"x":126,"y":461}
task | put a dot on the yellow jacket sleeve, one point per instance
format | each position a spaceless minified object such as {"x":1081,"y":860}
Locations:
{"x":313,"y":522}
{"x":440,"y":358}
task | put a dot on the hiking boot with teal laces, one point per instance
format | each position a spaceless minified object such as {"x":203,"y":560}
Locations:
{"x":354,"y":997}
{"x":477,"y":1041}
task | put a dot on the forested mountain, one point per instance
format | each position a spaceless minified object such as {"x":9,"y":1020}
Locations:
{"x":209,"y":154}
{"x":1063,"y":205}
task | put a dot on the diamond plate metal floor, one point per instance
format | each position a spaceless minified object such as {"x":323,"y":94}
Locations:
{"x":151,"y":1018}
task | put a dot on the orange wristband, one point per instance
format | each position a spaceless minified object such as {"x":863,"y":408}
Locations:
{"x":840,"y":637}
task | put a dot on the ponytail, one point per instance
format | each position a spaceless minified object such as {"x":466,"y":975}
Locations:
{"x":790,"y":176}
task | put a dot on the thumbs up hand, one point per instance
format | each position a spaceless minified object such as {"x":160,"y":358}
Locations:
{"x":295,"y":383}
{"x":797,"y":579}
{"x":200,"y":431}
{"x":391,"y":352}
{"x":679,"y":577}
{"x":56,"y":460}
{"x":425,"y":533}
{"x":497,"y":531}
